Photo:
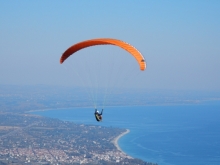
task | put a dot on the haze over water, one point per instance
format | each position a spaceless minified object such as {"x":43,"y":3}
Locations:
{"x":167,"y":135}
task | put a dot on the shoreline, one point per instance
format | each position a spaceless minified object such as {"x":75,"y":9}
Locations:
{"x":144,"y":105}
{"x":115,"y":140}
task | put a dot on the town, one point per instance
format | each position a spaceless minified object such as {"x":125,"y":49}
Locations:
{"x":30,"y":139}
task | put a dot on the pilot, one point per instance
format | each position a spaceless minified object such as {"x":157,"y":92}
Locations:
{"x":98,"y":115}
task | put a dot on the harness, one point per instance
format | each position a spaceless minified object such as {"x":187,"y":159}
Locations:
{"x":98,"y":117}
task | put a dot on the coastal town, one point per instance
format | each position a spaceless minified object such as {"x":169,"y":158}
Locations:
{"x":30,"y":139}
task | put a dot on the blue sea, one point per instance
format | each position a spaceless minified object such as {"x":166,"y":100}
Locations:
{"x":165,"y":134}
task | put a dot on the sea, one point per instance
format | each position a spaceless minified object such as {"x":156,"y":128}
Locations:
{"x":162,"y":134}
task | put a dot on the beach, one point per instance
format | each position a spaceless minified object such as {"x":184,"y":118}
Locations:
{"x":115,"y":141}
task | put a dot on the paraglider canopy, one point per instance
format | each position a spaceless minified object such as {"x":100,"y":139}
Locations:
{"x":105,"y":41}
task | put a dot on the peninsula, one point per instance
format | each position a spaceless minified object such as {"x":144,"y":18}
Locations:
{"x":30,"y":139}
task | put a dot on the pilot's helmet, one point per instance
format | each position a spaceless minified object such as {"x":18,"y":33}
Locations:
{"x":97,"y":111}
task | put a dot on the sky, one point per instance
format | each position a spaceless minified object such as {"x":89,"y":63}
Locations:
{"x":180,"y":40}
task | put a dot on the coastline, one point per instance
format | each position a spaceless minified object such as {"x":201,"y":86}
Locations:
{"x":115,"y":140}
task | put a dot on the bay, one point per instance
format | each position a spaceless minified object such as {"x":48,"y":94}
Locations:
{"x":165,"y":134}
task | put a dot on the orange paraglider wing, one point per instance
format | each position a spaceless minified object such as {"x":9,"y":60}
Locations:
{"x":105,"y":41}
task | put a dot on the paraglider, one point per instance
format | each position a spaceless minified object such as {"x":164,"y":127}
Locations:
{"x":105,"y":41}
{"x":98,"y":115}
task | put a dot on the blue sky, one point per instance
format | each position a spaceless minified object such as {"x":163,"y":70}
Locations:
{"x":179,"y":39}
